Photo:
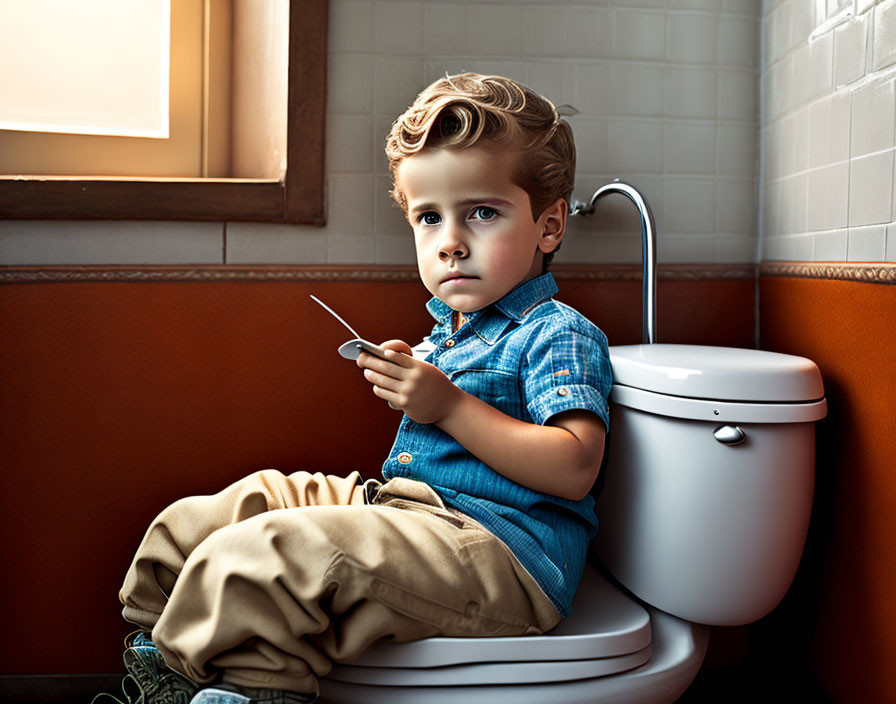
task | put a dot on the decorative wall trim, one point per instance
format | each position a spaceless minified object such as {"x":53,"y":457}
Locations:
{"x":204,"y":274}
{"x":665,"y":272}
{"x":879,"y":273}
{"x":872,"y":273}
{"x":337,"y":273}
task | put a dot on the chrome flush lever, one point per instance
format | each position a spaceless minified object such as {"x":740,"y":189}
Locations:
{"x":729,"y":435}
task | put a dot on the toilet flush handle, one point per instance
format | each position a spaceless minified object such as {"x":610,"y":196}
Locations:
{"x":729,"y":435}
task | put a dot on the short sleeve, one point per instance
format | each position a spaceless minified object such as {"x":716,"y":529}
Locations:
{"x":567,"y":369}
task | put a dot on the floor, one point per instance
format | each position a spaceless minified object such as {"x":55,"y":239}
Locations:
{"x":711,"y":687}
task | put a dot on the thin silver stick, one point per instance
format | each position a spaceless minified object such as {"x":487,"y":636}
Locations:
{"x":336,"y":315}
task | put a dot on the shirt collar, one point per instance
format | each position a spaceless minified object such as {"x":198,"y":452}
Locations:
{"x":490,"y":322}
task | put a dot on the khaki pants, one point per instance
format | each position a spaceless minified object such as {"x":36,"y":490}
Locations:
{"x":269,"y":581}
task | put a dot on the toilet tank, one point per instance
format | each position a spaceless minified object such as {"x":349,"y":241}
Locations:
{"x":710,"y":476}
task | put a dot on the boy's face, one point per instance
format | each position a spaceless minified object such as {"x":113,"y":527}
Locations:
{"x":473,"y":226}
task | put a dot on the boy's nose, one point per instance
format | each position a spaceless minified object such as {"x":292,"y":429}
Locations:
{"x":452,"y":246}
{"x":456,"y":252}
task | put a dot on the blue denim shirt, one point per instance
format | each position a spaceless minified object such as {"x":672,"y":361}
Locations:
{"x":531,"y":357}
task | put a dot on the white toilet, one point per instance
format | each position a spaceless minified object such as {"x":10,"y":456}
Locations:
{"x":703,"y":517}
{"x":708,"y":491}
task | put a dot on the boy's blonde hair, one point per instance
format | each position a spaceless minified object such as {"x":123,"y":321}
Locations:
{"x":458,"y":112}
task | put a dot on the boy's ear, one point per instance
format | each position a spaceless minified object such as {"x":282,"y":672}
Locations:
{"x":553,"y":225}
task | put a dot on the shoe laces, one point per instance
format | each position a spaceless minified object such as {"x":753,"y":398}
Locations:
{"x":147,"y":672}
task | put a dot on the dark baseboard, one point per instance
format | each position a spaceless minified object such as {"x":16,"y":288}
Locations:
{"x":57,"y":689}
{"x":752,"y":684}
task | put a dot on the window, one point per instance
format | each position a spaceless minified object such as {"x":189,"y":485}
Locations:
{"x":276,"y":152}
{"x":56,"y":75}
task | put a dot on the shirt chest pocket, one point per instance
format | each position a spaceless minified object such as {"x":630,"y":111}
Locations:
{"x":496,"y":387}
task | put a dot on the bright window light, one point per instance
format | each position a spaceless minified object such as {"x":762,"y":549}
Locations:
{"x":99,"y":67}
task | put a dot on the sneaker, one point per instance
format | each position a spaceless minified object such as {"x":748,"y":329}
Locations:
{"x":138,"y":638}
{"x":231,"y":694}
{"x":155,"y":681}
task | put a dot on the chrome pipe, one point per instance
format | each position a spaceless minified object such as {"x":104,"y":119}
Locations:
{"x":648,"y":250}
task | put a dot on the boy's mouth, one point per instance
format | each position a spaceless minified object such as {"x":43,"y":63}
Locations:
{"x":457,"y":276}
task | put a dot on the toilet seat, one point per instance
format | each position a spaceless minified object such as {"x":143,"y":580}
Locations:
{"x":492,"y":673}
{"x":675,"y":649}
{"x":606,"y":633}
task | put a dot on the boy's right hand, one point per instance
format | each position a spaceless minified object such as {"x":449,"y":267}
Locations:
{"x":398,"y":346}
{"x":418,"y":388}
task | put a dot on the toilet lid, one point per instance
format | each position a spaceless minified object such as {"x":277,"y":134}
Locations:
{"x":606,"y":632}
{"x":719,"y":373}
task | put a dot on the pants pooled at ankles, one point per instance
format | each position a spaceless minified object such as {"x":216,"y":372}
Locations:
{"x":268,"y":582}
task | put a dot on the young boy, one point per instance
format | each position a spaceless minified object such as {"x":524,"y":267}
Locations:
{"x":482,"y":525}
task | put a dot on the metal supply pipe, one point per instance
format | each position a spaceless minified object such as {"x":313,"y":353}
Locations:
{"x":648,"y":250}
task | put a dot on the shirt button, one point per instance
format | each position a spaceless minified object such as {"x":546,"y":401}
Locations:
{"x":449,"y":343}
{"x":405,"y":457}
{"x":562,"y":391}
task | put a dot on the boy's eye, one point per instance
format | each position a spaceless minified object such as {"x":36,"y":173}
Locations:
{"x":430,"y":218}
{"x":484,"y":212}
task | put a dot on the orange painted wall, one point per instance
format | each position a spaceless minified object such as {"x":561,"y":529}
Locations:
{"x":840,"y":617}
{"x":120,"y":397}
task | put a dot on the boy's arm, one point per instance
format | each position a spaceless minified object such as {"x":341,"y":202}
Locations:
{"x":561,"y":458}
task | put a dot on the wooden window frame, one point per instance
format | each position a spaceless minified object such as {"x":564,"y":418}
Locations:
{"x":296,"y":198}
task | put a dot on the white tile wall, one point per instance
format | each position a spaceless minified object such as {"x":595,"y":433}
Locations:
{"x":850,"y":47}
{"x":252,"y":242}
{"x":668,"y":96}
{"x":849,"y":202}
{"x":25,"y":242}
{"x":867,"y":244}
{"x":884,"y":36}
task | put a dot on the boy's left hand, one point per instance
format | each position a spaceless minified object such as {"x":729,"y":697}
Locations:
{"x":411,"y":385}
